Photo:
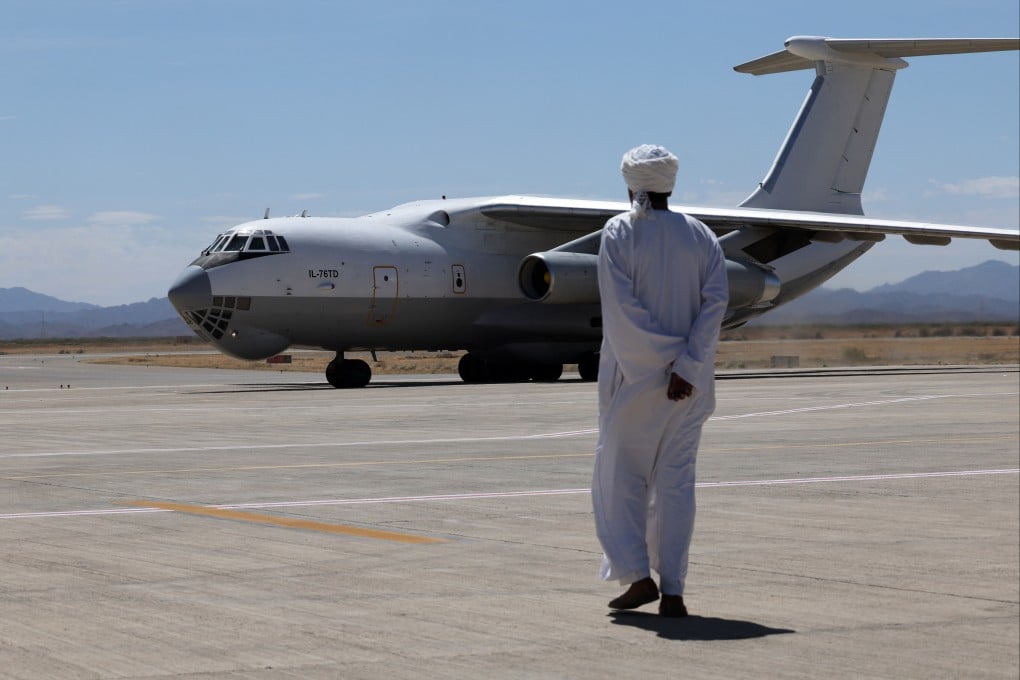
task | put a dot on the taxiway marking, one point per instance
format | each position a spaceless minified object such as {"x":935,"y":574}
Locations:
{"x":462,"y":440}
{"x":494,"y":459}
{"x":224,"y":512}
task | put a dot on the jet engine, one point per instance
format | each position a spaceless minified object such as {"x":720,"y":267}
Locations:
{"x":558,"y":277}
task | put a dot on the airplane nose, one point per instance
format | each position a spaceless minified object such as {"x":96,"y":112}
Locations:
{"x":191,"y":290}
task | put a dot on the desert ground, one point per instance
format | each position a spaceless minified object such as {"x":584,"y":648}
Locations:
{"x":749,"y":347}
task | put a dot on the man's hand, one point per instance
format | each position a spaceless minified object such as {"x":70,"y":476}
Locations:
{"x":678,"y":388}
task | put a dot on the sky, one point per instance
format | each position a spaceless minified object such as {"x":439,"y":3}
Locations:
{"x":133,"y":131}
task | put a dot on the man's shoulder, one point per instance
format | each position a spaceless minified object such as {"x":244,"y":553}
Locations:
{"x":686,"y":218}
{"x":619,"y":223}
{"x":695,"y":224}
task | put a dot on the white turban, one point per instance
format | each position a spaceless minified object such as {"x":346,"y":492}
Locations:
{"x":648,"y":168}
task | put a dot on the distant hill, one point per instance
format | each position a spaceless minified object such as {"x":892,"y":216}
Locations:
{"x":986,"y":292}
{"x":154,"y":318}
{"x":24,"y":300}
{"x":994,"y":278}
{"x":989,"y":291}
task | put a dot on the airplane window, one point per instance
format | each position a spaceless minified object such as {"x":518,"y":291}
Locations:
{"x":257,"y":243}
{"x":236,"y":243}
{"x":273,"y":245}
{"x":244,"y":303}
{"x":283,"y":244}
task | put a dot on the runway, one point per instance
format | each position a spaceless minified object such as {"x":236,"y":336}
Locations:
{"x":177,"y":523}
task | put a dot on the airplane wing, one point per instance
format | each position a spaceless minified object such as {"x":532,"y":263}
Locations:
{"x":547,"y":213}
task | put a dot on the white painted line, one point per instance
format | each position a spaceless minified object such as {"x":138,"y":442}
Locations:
{"x":310,"y":445}
{"x":510,"y":494}
{"x":80,"y":513}
{"x":405,"y":499}
{"x":465,"y":440}
{"x":858,"y":478}
{"x":860,"y":404}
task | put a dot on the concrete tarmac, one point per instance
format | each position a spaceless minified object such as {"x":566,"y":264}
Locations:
{"x":175,"y":523}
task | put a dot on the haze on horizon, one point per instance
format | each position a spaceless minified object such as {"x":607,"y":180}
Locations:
{"x":135,"y":132}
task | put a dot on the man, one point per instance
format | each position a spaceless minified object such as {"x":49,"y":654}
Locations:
{"x":662,"y":278}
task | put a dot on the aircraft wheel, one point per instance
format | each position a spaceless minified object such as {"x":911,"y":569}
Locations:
{"x":546,"y":372}
{"x":359,"y":372}
{"x":588,"y":366}
{"x":472,"y":369}
{"x":347,"y":373}
{"x":507,"y":372}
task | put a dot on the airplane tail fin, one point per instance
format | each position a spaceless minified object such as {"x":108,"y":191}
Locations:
{"x":824,"y":160}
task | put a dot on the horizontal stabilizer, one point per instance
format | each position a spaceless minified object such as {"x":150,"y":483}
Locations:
{"x":802,"y":52}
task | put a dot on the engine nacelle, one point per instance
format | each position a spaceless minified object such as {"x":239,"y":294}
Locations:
{"x":560,"y":278}
{"x":557,"y":277}
{"x":750,"y":284}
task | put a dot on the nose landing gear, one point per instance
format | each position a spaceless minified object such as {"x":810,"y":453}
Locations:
{"x":346,"y":373}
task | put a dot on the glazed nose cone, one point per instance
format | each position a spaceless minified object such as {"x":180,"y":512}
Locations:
{"x":191,"y":290}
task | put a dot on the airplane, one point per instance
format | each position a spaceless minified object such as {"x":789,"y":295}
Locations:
{"x":513,"y":279}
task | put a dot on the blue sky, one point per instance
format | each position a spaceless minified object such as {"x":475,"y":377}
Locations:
{"x":132,"y":131}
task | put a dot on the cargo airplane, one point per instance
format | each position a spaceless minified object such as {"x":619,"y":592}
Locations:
{"x":512,"y":279}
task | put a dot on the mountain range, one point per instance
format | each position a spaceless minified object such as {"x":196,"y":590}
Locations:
{"x":989,"y":291}
{"x":986,"y":292}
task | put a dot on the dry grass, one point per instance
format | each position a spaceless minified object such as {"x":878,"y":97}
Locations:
{"x":871,"y":351}
{"x":755,"y":347}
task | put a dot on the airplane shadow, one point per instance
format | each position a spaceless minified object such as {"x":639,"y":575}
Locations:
{"x":253,"y":388}
{"x":695,"y":628}
{"x":374,"y":385}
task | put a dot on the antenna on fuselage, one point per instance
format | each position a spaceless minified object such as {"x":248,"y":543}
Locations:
{"x":266,"y":216}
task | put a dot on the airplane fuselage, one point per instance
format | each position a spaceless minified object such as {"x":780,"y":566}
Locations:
{"x":410,"y":279}
{"x":387,"y":281}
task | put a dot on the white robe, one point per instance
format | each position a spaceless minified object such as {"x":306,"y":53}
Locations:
{"x":662,"y":279}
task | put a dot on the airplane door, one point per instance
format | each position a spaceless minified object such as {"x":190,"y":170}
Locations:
{"x":384,"y":295}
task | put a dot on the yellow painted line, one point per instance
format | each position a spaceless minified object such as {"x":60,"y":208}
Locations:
{"x":291,"y":523}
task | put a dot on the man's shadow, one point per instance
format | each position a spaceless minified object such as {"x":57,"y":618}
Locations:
{"x":695,"y":627}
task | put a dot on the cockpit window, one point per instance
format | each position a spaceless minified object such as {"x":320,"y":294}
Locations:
{"x":215,"y":243}
{"x":236,"y":243}
{"x":243,"y":244}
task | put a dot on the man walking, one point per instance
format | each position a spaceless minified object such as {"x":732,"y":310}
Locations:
{"x":662,"y":280}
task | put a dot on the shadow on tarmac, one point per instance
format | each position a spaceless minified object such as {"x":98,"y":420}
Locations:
{"x":251,"y":388}
{"x":696,"y":628}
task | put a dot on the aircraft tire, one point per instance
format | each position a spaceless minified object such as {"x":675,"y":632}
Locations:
{"x":472,"y":369}
{"x":588,"y":366}
{"x":348,"y":373}
{"x":546,"y":372}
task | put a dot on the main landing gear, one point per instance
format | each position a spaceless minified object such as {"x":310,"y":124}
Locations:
{"x":473,"y":368}
{"x":588,"y":366}
{"x":477,"y":369}
{"x":343,"y":373}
